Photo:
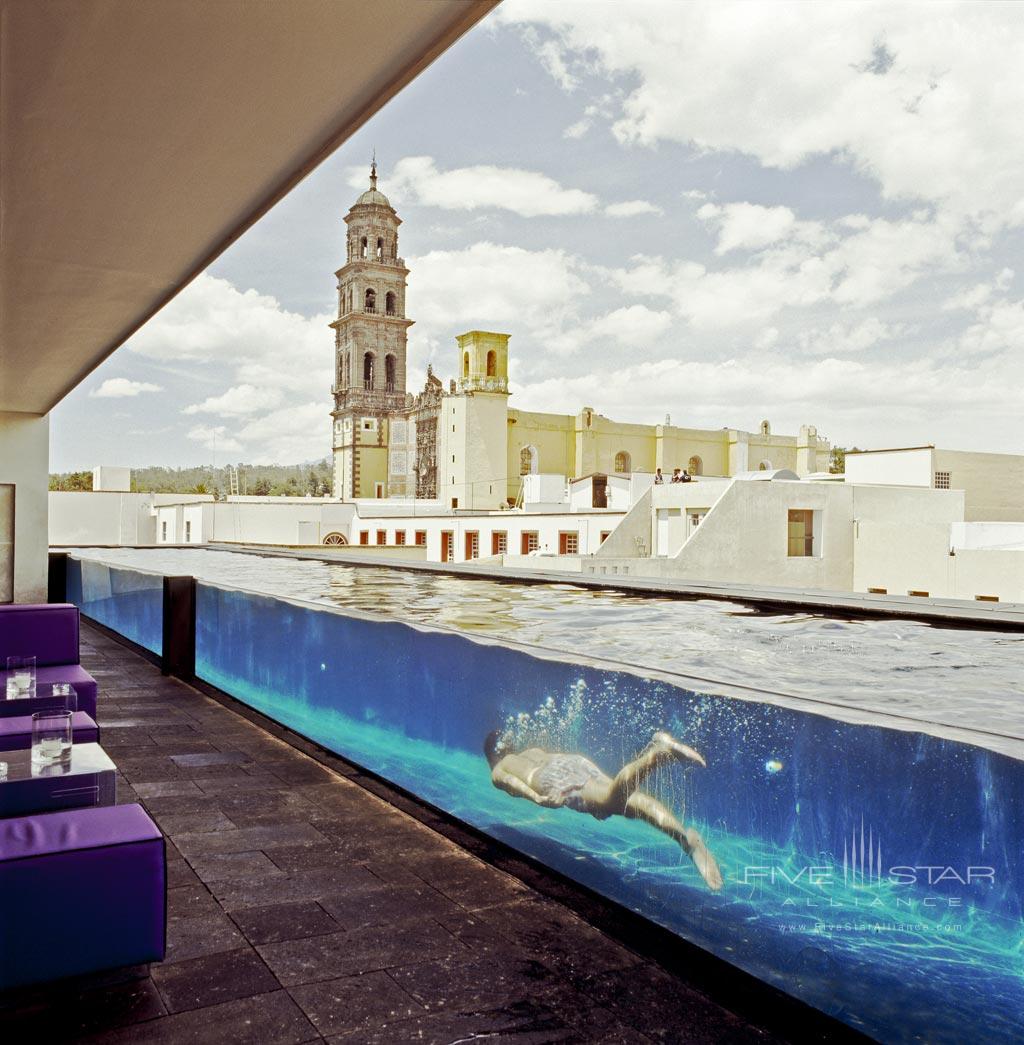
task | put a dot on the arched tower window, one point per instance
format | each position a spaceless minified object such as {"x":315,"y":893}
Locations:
{"x":389,"y":373}
{"x":528,"y":460}
{"x":362,"y":247}
{"x":389,"y":303}
{"x":765,"y":466}
{"x":766,"y":429}
{"x":492,"y":363}
{"x":465,"y":365}
{"x":696,"y":466}
{"x":623,"y":462}
{"x":368,"y":370}
{"x":370,"y":301}
{"x":380,"y":249}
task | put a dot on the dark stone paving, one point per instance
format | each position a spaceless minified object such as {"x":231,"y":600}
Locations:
{"x":302,"y":907}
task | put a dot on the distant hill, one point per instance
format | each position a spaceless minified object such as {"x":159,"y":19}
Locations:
{"x":261,"y":480}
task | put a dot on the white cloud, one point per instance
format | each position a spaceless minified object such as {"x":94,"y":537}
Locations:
{"x":636,"y":327}
{"x":844,"y":398}
{"x":279,"y":361}
{"x":749,"y":226}
{"x":576,"y":130}
{"x":215,"y":438}
{"x":527,"y":193}
{"x":854,"y":262}
{"x":631,"y":209}
{"x":237,"y":401}
{"x":925,"y":99}
{"x":844,"y":339}
{"x":972,"y":298}
{"x":489,"y":286}
{"x":1000,"y":328}
{"x":121,"y":387}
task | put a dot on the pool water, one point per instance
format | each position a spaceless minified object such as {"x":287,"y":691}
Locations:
{"x":874,"y":872}
{"x":956,"y":677}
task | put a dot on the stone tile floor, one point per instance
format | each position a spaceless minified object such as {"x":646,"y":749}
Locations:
{"x":302,"y":907}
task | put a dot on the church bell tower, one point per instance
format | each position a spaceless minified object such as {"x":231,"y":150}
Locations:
{"x":369,"y":350}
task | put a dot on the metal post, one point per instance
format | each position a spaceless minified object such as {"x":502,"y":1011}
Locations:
{"x":179,"y":645}
{"x":57,"y":577}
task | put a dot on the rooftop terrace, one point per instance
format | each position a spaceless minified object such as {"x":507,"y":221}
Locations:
{"x":304,"y":907}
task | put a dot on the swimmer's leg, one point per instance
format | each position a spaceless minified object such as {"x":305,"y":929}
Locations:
{"x":663,"y":748}
{"x":642,"y":806}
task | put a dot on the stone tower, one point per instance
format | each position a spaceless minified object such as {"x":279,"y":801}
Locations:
{"x":370,"y":398}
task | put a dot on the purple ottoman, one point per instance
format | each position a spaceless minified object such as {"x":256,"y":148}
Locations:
{"x":80,"y":891}
{"x":16,"y":731}
{"x":48,"y":632}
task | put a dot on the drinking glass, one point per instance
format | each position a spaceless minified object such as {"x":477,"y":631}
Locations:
{"x":21,"y":677}
{"x":65,"y":696}
{"x":51,"y":738}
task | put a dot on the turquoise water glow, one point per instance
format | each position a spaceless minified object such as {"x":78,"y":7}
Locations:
{"x":902,"y":959}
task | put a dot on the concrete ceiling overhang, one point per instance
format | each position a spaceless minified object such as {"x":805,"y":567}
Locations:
{"x":140,"y":138}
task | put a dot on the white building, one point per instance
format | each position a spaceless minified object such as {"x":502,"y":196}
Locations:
{"x":993,"y":484}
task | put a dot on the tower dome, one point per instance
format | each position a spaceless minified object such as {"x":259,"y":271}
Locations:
{"x":373,"y":196}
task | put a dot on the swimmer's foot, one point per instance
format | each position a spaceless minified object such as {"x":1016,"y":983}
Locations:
{"x":706,"y":864}
{"x":666,"y":742}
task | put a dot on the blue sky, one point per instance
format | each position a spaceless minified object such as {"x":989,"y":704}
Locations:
{"x":722,"y":212}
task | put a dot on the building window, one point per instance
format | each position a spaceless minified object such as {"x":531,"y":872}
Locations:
{"x":455,"y":502}
{"x":188,"y":530}
{"x":163,"y":531}
{"x":364,"y":536}
{"x":389,"y":303}
{"x":696,"y":466}
{"x":605,"y":534}
{"x":465,"y":365}
{"x":499,"y":542}
{"x":447,"y":545}
{"x":400,"y":537}
{"x":472,"y":544}
{"x":766,"y":429}
{"x":492,"y":364}
{"x":568,"y":544}
{"x":528,"y":460}
{"x":421,"y":538}
{"x":382,"y":536}
{"x":380,"y":249}
{"x":942,"y":480}
{"x":389,"y":373}
{"x":765,"y":466}
{"x":368,"y":371}
{"x":623,"y":462}
{"x":801,"y":532}
{"x":530,"y":542}
{"x":370,"y":300}
{"x":362,"y":247}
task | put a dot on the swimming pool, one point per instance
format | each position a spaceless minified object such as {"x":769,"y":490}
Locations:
{"x":871,"y":866}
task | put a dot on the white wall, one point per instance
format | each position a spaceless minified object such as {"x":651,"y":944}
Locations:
{"x":82,"y":518}
{"x":110,"y":478}
{"x":993,"y":483}
{"x":24,"y":477}
{"x":976,"y":535}
{"x":912,"y":467}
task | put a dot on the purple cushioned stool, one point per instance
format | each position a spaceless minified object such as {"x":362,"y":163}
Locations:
{"x":16,"y":731}
{"x":80,"y":891}
{"x":48,"y":632}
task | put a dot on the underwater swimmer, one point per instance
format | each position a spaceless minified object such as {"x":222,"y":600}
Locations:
{"x":555,"y":779}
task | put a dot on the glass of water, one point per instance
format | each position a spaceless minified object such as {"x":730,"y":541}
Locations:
{"x":65,"y":696}
{"x":51,"y":738}
{"x":21,"y":677}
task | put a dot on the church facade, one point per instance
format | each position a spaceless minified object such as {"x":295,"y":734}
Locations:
{"x":463,"y":445}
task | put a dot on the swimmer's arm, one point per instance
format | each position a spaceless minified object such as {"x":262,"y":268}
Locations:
{"x":518,"y":788}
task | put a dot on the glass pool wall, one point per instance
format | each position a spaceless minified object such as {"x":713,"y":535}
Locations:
{"x":130,"y":602}
{"x":873,"y":872}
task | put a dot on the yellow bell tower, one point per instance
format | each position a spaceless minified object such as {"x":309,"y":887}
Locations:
{"x":473,"y":426}
{"x":483,"y":362}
